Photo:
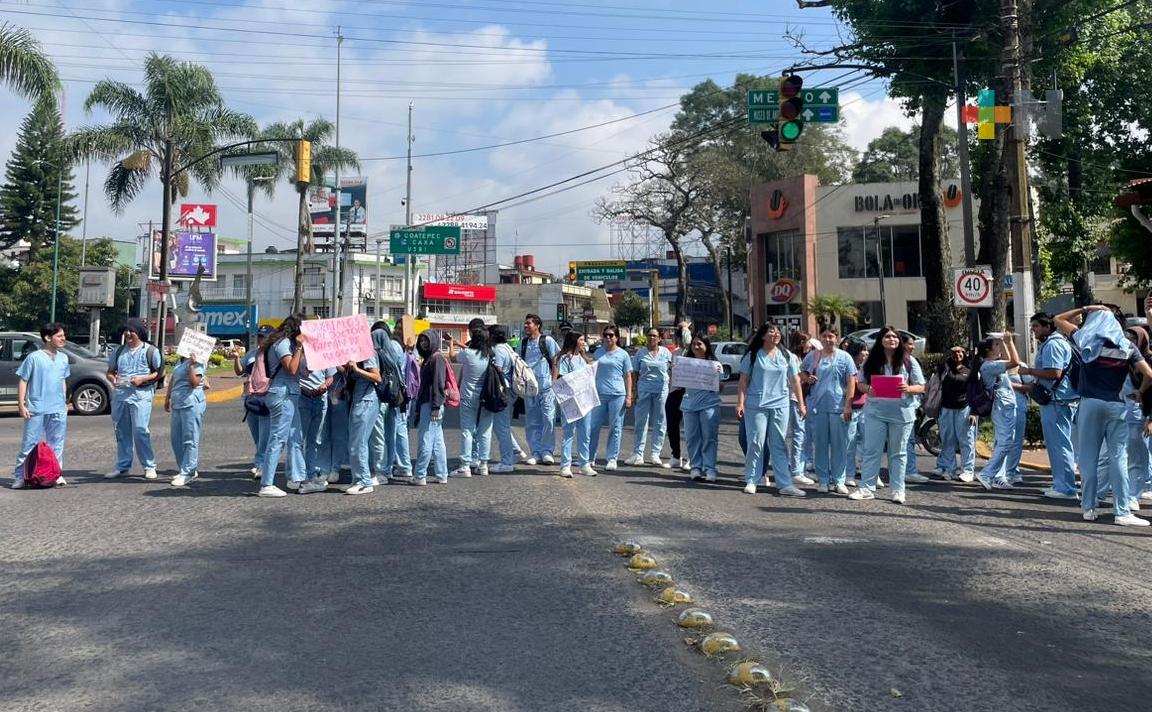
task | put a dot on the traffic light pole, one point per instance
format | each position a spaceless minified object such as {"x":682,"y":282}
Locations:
{"x":1023,"y":289}
{"x":965,"y":183}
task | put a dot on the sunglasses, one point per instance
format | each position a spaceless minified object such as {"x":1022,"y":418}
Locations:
{"x":609,"y":336}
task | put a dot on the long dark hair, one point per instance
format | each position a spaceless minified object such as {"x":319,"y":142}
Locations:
{"x":288,"y":329}
{"x":480,"y":342}
{"x":982,"y":350}
{"x":874,"y":364}
{"x":710,"y":353}
{"x":571,"y":343}
{"x":798,"y":342}
{"x":757,"y":341}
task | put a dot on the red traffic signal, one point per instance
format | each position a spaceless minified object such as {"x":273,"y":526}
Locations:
{"x":791,"y":86}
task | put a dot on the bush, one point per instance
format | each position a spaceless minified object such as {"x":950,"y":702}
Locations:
{"x":216,"y":359}
{"x":1033,"y":432}
{"x":929,"y":363}
{"x":639,"y":340}
{"x":171,"y":359}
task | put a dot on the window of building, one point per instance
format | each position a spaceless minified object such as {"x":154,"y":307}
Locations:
{"x":869,"y":318}
{"x":320,"y":312}
{"x":370,"y":310}
{"x":899,"y":251}
{"x":1102,"y":262}
{"x":239,"y":281}
{"x":395,"y":312}
{"x":313,"y":278}
{"x":784,"y":254}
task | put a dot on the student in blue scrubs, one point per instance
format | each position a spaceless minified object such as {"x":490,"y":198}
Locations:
{"x":42,"y":395}
{"x":313,"y":449}
{"x":186,"y":402}
{"x":362,"y":416}
{"x":831,"y":377}
{"x":651,"y":367}
{"x":475,"y":420}
{"x":614,"y":386}
{"x":282,"y":352}
{"x":502,"y":356}
{"x":701,"y":409}
{"x":994,"y":358}
{"x":257,"y":424}
{"x":573,"y":358}
{"x":1053,"y":361}
{"x":133,"y":369}
{"x":769,"y":380}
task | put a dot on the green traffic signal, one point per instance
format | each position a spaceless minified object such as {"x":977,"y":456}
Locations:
{"x":790,"y":130}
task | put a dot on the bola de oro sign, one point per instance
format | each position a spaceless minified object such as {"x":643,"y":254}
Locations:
{"x":427,"y":240}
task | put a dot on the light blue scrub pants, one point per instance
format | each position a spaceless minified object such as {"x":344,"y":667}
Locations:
{"x":798,"y":435}
{"x":1012,"y":464}
{"x":396,"y":429}
{"x":258,"y":427}
{"x":475,"y":433}
{"x":580,"y":432}
{"x":379,"y":444}
{"x":314,"y":431}
{"x":1139,"y":478}
{"x":131,"y":411}
{"x":1056,"y":419}
{"x":1101,"y":423}
{"x":742,"y":436}
{"x":431,"y":448}
{"x":702,"y":433}
{"x":361,"y":420}
{"x":830,"y":446}
{"x":539,"y":415}
{"x":911,"y":466}
{"x":502,"y":427}
{"x":877,"y":434}
{"x":610,"y":411}
{"x":185,"y":436}
{"x":283,"y":420}
{"x":338,"y":425}
{"x":648,"y":410}
{"x":1004,"y":427}
{"x":956,"y":434}
{"x":767,"y":432}
{"x":854,"y":456}
{"x":50,"y":427}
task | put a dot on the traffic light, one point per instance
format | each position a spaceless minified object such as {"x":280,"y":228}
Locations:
{"x":303,"y":161}
{"x":561,"y":312}
{"x":571,"y":271}
{"x":789,"y":123}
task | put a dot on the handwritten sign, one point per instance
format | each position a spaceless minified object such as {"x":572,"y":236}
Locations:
{"x":576,"y":393}
{"x":195,"y":344}
{"x":696,"y":373}
{"x":335,"y":342}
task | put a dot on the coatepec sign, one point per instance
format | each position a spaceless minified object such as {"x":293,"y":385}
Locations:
{"x":782,"y":290}
{"x":460,"y":292}
{"x":973,"y":287}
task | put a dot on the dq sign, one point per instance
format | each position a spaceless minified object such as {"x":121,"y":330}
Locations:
{"x":782,"y":290}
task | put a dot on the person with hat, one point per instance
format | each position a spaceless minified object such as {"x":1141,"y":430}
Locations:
{"x":133,"y":370}
{"x":257,"y":424}
{"x":957,"y":424}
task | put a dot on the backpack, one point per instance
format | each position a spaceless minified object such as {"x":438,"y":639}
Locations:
{"x":41,"y":469}
{"x":979,"y":398}
{"x":150,"y":349}
{"x":391,"y":389}
{"x":1075,"y":366}
{"x":411,"y":376}
{"x":451,"y":388}
{"x":260,"y":380}
{"x":524,"y":383}
{"x":495,"y":394}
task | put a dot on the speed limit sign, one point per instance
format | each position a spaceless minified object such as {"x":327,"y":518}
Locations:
{"x":973,"y":287}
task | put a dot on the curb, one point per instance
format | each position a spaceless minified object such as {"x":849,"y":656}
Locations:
{"x":985,"y":452}
{"x":213,"y":396}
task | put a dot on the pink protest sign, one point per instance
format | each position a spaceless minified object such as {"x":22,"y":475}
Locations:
{"x":887,"y":386}
{"x":335,"y":342}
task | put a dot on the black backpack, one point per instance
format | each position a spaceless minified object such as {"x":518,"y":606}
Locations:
{"x":979,"y":399}
{"x":159,"y":382}
{"x":390,"y":389}
{"x":495,"y":394}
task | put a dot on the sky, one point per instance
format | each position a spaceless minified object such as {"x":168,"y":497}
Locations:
{"x":476,"y":73}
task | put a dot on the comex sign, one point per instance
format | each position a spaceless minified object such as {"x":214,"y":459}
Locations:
{"x":226,"y":319}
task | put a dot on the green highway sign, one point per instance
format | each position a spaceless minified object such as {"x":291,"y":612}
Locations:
{"x":821,"y":105}
{"x":430,"y":240}
{"x":763,"y":114}
{"x":763,"y":97}
{"x":598,"y":271}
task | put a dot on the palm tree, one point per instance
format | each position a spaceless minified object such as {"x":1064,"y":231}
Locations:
{"x":23,"y":65}
{"x":830,"y":309}
{"x":325,"y":159}
{"x":172,"y":127}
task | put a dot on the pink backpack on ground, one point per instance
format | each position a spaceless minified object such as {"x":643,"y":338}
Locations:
{"x":41,"y":469}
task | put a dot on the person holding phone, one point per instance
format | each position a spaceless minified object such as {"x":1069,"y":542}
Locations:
{"x":994,"y":358}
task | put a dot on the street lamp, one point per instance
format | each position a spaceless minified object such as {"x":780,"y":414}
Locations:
{"x":379,"y":244}
{"x":250,"y":332}
{"x":880,"y":268}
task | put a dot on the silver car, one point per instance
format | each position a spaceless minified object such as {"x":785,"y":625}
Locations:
{"x":88,"y":388}
{"x":729,"y":354}
{"x":868,"y":336}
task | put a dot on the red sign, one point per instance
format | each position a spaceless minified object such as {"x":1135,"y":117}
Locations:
{"x":197,"y":215}
{"x":782,"y":290}
{"x":777,"y":204}
{"x":460,"y":292}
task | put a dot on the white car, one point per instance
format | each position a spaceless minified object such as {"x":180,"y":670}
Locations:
{"x":729,"y":353}
{"x":868,"y":336}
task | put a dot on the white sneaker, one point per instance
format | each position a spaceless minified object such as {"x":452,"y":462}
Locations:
{"x":684,"y":464}
{"x":803,"y":480}
{"x":841,"y":489}
{"x":1053,"y":494}
{"x":1002,"y":483}
{"x":115,"y":473}
{"x":318,"y":484}
{"x":548,"y":459}
{"x":1090,"y":515}
{"x":655,"y":460}
{"x":880,"y":483}
{"x":667,"y":465}
{"x":850,"y":483}
{"x":18,"y":483}
{"x":1131,"y":520}
{"x":293,"y":484}
{"x":150,"y":473}
{"x":360,"y":489}
{"x":566,"y":471}
{"x":1145,"y":496}
{"x":464,"y":471}
{"x":482,"y":471}
{"x":375,"y":481}
{"x":710,"y":477}
{"x":255,"y":473}
{"x":750,"y":488}
{"x":916,"y":478}
{"x":61,"y":482}
{"x":822,"y":489}
{"x":1134,"y":504}
{"x":530,"y":461}
{"x":588,"y":470}
{"x":634,"y":460}
{"x":332,"y":478}
{"x":898,"y":498}
{"x":183,"y":480}
{"x":862,"y":493}
{"x":696,"y":474}
{"x":271,"y":491}
{"x":792,"y":492}
{"x":611,"y":465}
{"x":967,"y":476}
{"x":501,"y":469}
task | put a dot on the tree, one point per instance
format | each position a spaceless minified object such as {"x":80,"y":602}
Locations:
{"x":23,"y":65}
{"x":631,"y":311}
{"x":38,"y":178}
{"x":832,"y":309}
{"x":894,"y":156}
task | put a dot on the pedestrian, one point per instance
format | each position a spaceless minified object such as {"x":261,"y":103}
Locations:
{"x":313,"y":446}
{"x":42,"y":396}
{"x":429,"y":410}
{"x":799,"y":454}
{"x":957,"y":424}
{"x":911,"y":466}
{"x":339,"y":422}
{"x":364,"y":411}
{"x":185,"y":401}
{"x":1106,"y":357}
{"x":614,"y":386}
{"x":503,"y":356}
{"x":1138,"y":408}
{"x":995,"y":356}
{"x":577,"y":434}
{"x":405,"y":356}
{"x":701,"y":408}
{"x":888,"y":418}
{"x":858,"y":350}
{"x":280,"y":355}
{"x":769,"y":379}
{"x":256,"y":418}
{"x":1058,"y":402}
{"x":831,"y":376}
{"x":475,"y":420}
{"x":539,"y":353}
{"x":134,"y":369}
{"x":650,"y":365}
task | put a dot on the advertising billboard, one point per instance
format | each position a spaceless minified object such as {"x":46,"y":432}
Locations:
{"x":460,"y":292}
{"x":187,"y":251}
{"x":464,"y":222}
{"x":353,"y":211}
{"x":226,"y":319}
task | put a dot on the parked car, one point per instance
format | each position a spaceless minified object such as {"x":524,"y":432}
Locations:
{"x":88,"y":388}
{"x":868,"y":336}
{"x":230,"y":348}
{"x":729,"y":353}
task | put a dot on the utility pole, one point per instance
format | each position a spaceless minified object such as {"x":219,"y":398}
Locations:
{"x":376,"y":290}
{"x":731,"y":319}
{"x":1020,"y":216}
{"x":880,"y":269}
{"x":409,"y":266}
{"x":965,"y":182}
{"x":336,"y":264}
{"x":654,"y":294}
{"x":165,"y":229}
{"x":249,"y":328}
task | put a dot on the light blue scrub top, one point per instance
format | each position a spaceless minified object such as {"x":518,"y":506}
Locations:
{"x":832,"y":374}
{"x":697,"y":399}
{"x":363,"y":389}
{"x":613,"y":368}
{"x":135,"y":362}
{"x":652,"y":370}
{"x":1056,"y":352}
{"x":472,"y":367}
{"x":183,"y":394}
{"x":896,"y":410}
{"x":536,"y":361}
{"x":570,"y":364}
{"x":45,"y":377}
{"x":994,"y":374}
{"x":283,"y":378}
{"x":768,"y":381}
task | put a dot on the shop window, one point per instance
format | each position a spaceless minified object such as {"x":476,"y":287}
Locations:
{"x":918,"y":318}
{"x":869,"y":318}
{"x":899,"y":251}
{"x":784,"y":254}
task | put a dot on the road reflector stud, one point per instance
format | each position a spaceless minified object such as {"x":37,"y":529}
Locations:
{"x":750,"y":674}
{"x":719,"y":643}
{"x":642,"y":561}
{"x":652,"y":579}
{"x":673,"y":595}
{"x":694,"y":618}
{"x":626,"y":548}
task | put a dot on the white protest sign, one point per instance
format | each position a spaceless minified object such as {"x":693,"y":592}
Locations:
{"x":335,"y":342}
{"x":576,"y":393}
{"x":195,"y":344}
{"x":696,"y":373}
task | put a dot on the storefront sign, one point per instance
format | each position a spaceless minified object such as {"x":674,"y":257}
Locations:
{"x":886,"y":203}
{"x":782,"y":290}
{"x":460,"y":292}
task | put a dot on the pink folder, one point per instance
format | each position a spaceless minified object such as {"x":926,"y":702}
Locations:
{"x":887,"y":386}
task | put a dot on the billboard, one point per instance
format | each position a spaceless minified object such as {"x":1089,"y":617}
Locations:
{"x":464,"y":222}
{"x":353,"y":211}
{"x":226,"y":319}
{"x":459,"y":292}
{"x":187,"y":250}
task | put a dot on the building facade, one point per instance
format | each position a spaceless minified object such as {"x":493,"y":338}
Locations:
{"x":708,"y":286}
{"x":583,"y":307}
{"x":449,"y":307}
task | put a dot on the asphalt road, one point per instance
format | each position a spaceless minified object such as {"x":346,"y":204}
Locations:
{"x":498,"y":593}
